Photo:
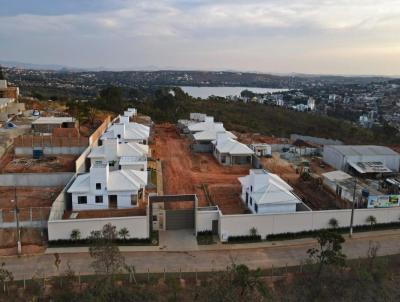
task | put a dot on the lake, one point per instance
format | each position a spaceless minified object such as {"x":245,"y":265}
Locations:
{"x":205,"y":92}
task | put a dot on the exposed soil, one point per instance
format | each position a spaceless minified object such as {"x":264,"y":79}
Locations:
{"x":228,"y":198}
{"x":28,"y":196}
{"x":56,"y":163}
{"x":107,"y":213}
{"x":32,"y":241}
{"x":185,"y":172}
{"x":251,"y":138}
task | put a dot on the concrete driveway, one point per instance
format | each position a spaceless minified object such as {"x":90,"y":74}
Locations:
{"x":177,"y":240}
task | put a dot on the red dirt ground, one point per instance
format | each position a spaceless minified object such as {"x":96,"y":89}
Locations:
{"x":184,"y":172}
{"x":228,"y":198}
{"x":56,"y":163}
{"x":107,"y":213}
{"x":28,"y":196}
{"x":31,"y":241}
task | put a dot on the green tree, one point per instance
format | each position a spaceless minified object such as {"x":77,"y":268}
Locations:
{"x":75,"y":235}
{"x":329,"y":250}
{"x":123,"y":233}
{"x":333,"y":223}
{"x":371,"y":220}
{"x":107,"y":259}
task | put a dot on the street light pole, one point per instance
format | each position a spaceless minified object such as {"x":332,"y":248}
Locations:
{"x":19,"y":247}
{"x":352,"y":208}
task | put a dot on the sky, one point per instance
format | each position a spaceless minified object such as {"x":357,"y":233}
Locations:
{"x":355,"y":37}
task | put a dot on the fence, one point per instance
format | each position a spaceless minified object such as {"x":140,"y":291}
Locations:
{"x":266,"y":224}
{"x":56,"y":179}
{"x":33,"y":217}
{"x":61,"y":229}
{"x":93,"y":139}
{"x":25,"y":144}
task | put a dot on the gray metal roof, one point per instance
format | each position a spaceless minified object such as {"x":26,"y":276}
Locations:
{"x":364,"y":150}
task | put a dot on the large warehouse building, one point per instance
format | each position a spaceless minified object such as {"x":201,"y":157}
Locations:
{"x":363,"y":159}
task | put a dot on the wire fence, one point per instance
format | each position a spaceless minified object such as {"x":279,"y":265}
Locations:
{"x":32,"y":216}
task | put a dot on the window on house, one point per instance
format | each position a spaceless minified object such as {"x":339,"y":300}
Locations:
{"x":251,"y":188}
{"x":155,"y":218}
{"x":82,"y":199}
{"x":251,"y":201}
{"x":119,"y":135}
{"x":256,"y":208}
{"x":99,"y":199}
{"x":98,"y":162}
{"x":98,"y":186}
{"x":134,"y":200}
{"x":111,"y":163}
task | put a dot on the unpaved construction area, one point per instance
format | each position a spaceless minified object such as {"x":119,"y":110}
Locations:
{"x":34,"y":203}
{"x":28,"y":196}
{"x":31,"y":241}
{"x":312,"y":193}
{"x":185,"y":172}
{"x":56,"y":163}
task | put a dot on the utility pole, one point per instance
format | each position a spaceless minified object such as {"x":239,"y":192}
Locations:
{"x":19,"y":248}
{"x":352,"y":208}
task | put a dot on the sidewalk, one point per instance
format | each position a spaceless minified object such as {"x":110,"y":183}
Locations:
{"x":170,"y":244}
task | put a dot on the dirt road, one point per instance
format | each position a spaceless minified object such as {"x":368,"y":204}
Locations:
{"x":185,"y":172}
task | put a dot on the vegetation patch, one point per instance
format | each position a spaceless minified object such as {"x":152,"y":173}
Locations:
{"x":205,"y":238}
{"x":342,"y":230}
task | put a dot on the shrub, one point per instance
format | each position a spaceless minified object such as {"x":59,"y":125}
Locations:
{"x":371,"y":220}
{"x":333,"y":223}
{"x":244,"y":239}
{"x":75,"y":235}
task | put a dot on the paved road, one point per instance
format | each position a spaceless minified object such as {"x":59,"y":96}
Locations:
{"x":204,"y":260}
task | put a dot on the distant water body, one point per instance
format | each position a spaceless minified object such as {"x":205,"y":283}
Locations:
{"x":205,"y":92}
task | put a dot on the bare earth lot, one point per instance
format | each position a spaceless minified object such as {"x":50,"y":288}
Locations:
{"x":185,"y":172}
{"x":56,"y":163}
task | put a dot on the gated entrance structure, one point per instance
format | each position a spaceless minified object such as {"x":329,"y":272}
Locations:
{"x":172,"y":219}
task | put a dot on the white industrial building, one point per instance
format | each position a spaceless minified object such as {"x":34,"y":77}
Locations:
{"x":265,"y":192}
{"x":103,"y":189}
{"x":120,"y":155}
{"x":363,"y":159}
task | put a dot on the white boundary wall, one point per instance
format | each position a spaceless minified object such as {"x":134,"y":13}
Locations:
{"x":35,"y":179}
{"x":266,"y":224}
{"x":204,"y":219}
{"x":61,"y":229}
{"x":50,"y":150}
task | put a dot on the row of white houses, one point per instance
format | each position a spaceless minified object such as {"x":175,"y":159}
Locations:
{"x":210,"y":136}
{"x":118,"y":168}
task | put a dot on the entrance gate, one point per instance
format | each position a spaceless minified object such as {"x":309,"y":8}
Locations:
{"x":174,"y":219}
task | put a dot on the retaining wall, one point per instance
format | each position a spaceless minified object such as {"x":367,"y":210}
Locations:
{"x":266,"y":224}
{"x":35,"y":179}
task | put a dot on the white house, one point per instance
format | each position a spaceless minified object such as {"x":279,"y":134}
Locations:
{"x":230,"y":152}
{"x":204,"y":133}
{"x":120,"y":155}
{"x":104,"y":189}
{"x":126,"y":131}
{"x":265,"y":192}
{"x":261,"y":149}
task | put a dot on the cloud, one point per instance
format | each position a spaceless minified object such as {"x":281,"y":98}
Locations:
{"x":194,"y":33}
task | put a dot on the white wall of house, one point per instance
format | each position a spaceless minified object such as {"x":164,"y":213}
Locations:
{"x":61,"y":229}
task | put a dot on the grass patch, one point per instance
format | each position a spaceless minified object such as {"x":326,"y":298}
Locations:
{"x":205,"y":238}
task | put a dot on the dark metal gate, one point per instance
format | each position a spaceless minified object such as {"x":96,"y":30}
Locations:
{"x":179,"y":219}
